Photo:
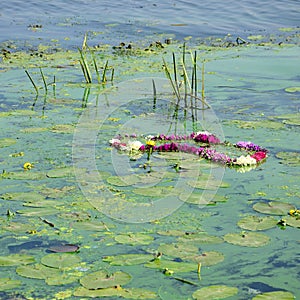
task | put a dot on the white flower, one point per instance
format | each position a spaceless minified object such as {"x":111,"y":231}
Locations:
{"x":115,"y":141}
{"x":149,"y":137}
{"x":245,"y":160}
{"x":134,"y":145}
{"x":203,"y":133}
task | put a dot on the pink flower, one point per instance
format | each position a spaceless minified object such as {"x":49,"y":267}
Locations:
{"x":258,"y":156}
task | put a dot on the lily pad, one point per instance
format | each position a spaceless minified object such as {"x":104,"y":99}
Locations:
{"x":257,"y":223}
{"x":68,"y":248}
{"x":201,"y":238}
{"x":61,"y":172}
{"x":215,"y":292}
{"x":180,"y":250}
{"x":102,"y":279}
{"x":24,"y":175}
{"x":293,"y":89}
{"x":172,"y":232}
{"x":63,"y":128}
{"x":18,"y":227}
{"x":9,"y":284}
{"x":37,"y":211}
{"x":200,"y":199}
{"x":61,"y":279}
{"x":107,"y":292}
{"x":273,"y":208}
{"x":177,"y":267}
{"x":37,"y":271}
{"x":208,"y":184}
{"x":128,"y":259}
{"x":134,"y":239}
{"x":292,"y":221}
{"x":247,"y":239}
{"x":16,"y":260}
{"x":138,"y":293}
{"x":155,"y":191}
{"x":277,"y":295}
{"x":23,"y":196}
{"x":6,"y":142}
{"x":289,"y":158}
{"x":60,"y":261}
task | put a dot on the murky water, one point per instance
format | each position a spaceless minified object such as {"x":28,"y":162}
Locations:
{"x":123,"y":210}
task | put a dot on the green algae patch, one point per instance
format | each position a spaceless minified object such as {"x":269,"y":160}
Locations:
{"x":254,"y":223}
{"x":215,"y":292}
{"x":16,"y":260}
{"x":247,"y":239}
{"x":102,"y":279}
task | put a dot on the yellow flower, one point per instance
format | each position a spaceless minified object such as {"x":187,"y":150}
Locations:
{"x":292,"y":211}
{"x":150,"y":143}
{"x":28,"y":166}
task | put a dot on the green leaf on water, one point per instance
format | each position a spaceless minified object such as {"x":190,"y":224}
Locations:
{"x":289,"y":158}
{"x":273,"y":208}
{"x":24,"y":175}
{"x":60,"y":260}
{"x":6,"y":142}
{"x":102,"y":279}
{"x":215,"y":292}
{"x":16,"y":259}
{"x":200,"y":199}
{"x":128,"y":259}
{"x":37,"y":271}
{"x":293,"y":89}
{"x":208,"y":184}
{"x":177,"y":267}
{"x":292,"y":221}
{"x":61,"y":172}
{"x":38,"y":211}
{"x":257,"y":223}
{"x":23,"y":196}
{"x":200,"y":238}
{"x":9,"y":284}
{"x":63,"y":128}
{"x":278,"y":295}
{"x":134,"y":239}
{"x":247,"y":239}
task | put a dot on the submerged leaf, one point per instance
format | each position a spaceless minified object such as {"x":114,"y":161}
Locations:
{"x":134,"y":239}
{"x":6,"y":142}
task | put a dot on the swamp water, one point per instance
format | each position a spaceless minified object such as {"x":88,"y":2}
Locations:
{"x":88,"y":221}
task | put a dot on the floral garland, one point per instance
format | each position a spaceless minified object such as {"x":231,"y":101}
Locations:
{"x":256,"y":154}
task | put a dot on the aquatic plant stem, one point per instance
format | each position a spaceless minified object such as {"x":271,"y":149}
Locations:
{"x":31,"y":80}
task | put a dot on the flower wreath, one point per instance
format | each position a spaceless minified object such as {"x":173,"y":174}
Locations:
{"x":173,"y":143}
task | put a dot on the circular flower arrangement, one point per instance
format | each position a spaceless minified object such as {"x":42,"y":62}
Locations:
{"x":254,"y":154}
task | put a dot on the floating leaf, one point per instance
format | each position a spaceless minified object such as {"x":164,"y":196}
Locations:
{"x":60,"y":261}
{"x":6,"y":142}
{"x":289,"y":158}
{"x":16,"y":259}
{"x":209,"y":184}
{"x":201,"y":238}
{"x":257,"y":223}
{"x":107,"y":292}
{"x":180,"y":250}
{"x":200,"y":199}
{"x":63,"y":128}
{"x":134,"y":239}
{"x":68,"y":248}
{"x":91,"y":226}
{"x":155,"y":191}
{"x":61,"y":279}
{"x":18,"y":227}
{"x":293,"y":89}
{"x":23,"y":196}
{"x":37,"y":271}
{"x":273,"y":208}
{"x":61,"y":172}
{"x":277,"y":295}
{"x":292,"y":221}
{"x":102,"y":279}
{"x":38,"y":211}
{"x":9,"y":284}
{"x":215,"y":292}
{"x":128,"y":259}
{"x":123,"y":180}
{"x":247,"y":239}
{"x":172,"y":232}
{"x":138,"y":293}
{"x":177,"y":267}
{"x":24,"y":175}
